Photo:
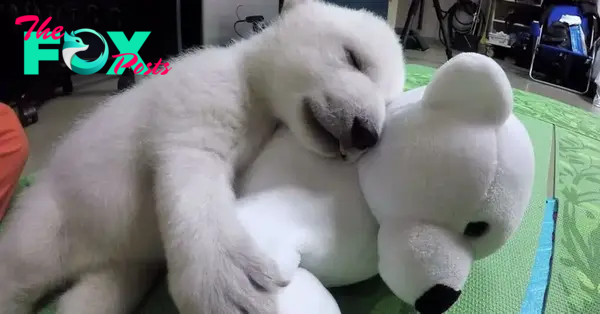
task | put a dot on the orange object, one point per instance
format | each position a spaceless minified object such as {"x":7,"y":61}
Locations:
{"x":14,"y":149}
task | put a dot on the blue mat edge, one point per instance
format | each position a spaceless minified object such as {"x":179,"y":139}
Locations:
{"x":539,"y":281}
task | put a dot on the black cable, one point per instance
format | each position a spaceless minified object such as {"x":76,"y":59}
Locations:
{"x":235,"y":27}
{"x":253,"y":20}
{"x":240,"y":20}
{"x":237,"y":13}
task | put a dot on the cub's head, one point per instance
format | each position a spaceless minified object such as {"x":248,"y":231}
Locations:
{"x":327,"y":72}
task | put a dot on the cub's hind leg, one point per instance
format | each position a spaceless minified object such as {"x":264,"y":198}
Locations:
{"x":112,"y":290}
{"x":33,"y":251}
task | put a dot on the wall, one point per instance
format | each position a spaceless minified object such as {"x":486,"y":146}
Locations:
{"x":219,"y":16}
{"x":379,"y":7}
{"x":430,"y":22}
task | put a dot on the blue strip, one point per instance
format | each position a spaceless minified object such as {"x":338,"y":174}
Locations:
{"x":576,"y":38}
{"x":540,"y":273}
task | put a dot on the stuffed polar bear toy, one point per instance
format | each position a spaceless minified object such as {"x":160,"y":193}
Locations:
{"x":448,"y":184}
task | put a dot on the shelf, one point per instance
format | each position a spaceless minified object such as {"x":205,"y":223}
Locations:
{"x":493,"y":43}
{"x":515,"y":24}
{"x":524,"y":3}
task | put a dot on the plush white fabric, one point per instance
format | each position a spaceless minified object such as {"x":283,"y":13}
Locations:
{"x":451,"y":154}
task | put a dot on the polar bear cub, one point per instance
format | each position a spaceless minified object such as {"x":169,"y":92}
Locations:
{"x":148,"y":177}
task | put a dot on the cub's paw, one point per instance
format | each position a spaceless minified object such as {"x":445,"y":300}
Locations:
{"x":238,"y":280}
{"x":253,"y":280}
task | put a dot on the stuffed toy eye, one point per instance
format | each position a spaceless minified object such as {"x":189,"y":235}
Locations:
{"x":476,"y":229}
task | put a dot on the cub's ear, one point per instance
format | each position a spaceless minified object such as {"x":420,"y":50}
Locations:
{"x":471,"y":87}
{"x":289,"y":4}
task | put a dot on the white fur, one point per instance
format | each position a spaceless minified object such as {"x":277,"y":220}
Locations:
{"x":438,"y":167}
{"x":149,"y":175}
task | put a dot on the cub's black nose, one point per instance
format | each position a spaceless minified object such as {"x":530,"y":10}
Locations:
{"x":437,"y":300}
{"x":362,"y":136}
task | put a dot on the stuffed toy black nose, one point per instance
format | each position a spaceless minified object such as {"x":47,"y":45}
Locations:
{"x":437,"y":300}
{"x":362,"y":136}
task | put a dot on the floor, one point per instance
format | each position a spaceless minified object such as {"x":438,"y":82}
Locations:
{"x":58,"y":115}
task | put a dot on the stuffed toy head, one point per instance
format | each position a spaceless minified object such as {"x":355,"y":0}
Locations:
{"x":449,"y":182}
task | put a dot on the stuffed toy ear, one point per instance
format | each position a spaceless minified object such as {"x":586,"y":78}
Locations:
{"x":472,"y":87}
{"x":289,"y":4}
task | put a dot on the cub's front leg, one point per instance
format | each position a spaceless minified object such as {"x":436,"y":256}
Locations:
{"x":214,"y":266}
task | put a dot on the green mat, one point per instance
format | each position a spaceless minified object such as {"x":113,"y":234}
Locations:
{"x":498,"y":283}
{"x":575,"y":278}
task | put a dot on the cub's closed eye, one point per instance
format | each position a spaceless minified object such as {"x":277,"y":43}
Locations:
{"x":476,"y":229}
{"x":353,"y":60}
